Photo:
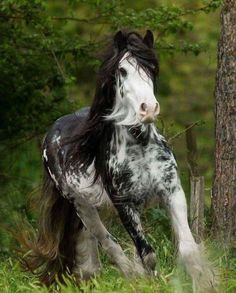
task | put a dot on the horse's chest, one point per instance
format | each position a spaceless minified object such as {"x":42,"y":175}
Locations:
{"x":138,"y":172}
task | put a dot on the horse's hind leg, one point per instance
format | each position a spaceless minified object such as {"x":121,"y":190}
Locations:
{"x":91,"y":220}
{"x":87,"y":262}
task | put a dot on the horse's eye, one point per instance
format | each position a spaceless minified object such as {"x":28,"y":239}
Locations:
{"x":123,"y":72}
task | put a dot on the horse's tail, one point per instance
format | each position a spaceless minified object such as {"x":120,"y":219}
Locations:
{"x":49,"y":251}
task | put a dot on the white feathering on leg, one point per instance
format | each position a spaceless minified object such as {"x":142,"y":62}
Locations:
{"x":190,"y":254}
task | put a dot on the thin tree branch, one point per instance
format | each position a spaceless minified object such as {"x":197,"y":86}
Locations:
{"x":55,"y":58}
{"x":71,"y":18}
{"x":57,"y":18}
{"x":199,"y":122}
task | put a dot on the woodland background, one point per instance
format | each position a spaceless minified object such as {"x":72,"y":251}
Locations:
{"x":49,"y":55}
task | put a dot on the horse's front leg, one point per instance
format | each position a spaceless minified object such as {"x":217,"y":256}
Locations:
{"x":131,"y":221}
{"x":196,"y":265}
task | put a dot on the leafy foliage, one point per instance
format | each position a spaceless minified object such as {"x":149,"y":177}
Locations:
{"x":31,"y":86}
{"x":44,"y":46}
{"x":49,"y":56}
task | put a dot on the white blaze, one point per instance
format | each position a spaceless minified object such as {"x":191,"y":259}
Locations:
{"x":137,"y":88}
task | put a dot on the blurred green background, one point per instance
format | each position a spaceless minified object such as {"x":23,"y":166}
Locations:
{"x":49,"y":58}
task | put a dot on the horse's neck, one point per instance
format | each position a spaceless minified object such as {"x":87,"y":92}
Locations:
{"x":134,"y":135}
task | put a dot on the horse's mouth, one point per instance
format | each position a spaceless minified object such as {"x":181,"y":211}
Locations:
{"x":150,"y":118}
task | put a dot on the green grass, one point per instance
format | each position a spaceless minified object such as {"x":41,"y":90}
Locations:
{"x":12,"y":279}
{"x":110,"y":280}
{"x":24,"y":167}
{"x":171,"y":277}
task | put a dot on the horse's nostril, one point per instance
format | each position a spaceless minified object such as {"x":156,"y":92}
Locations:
{"x":149,"y":112}
{"x":144,"y":107}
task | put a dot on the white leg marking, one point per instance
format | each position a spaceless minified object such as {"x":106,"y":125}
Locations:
{"x":196,"y":265}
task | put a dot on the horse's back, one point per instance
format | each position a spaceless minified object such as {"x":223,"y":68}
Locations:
{"x":67,"y":127}
{"x":60,"y":140}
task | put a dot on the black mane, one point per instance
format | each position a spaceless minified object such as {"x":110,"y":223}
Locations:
{"x":92,"y":142}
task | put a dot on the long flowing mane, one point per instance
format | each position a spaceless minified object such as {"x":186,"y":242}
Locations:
{"x":90,"y":144}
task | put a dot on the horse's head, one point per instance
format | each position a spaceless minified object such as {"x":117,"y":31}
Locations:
{"x":135,"y":74}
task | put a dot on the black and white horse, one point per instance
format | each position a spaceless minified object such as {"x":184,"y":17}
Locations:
{"x":111,"y":154}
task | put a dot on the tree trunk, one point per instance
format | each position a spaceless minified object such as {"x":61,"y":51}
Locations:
{"x":224,"y":188}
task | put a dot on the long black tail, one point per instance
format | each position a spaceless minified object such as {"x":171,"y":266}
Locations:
{"x":49,"y":251}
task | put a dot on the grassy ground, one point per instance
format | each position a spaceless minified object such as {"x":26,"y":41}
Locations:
{"x":25,"y":169}
{"x":13,"y":280}
{"x":171,"y":276}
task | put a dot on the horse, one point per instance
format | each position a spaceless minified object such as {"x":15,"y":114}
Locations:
{"x":111,"y":155}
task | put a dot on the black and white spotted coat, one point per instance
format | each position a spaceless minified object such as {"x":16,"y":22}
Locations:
{"x":140,"y":170}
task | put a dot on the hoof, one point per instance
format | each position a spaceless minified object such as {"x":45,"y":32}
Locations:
{"x":86,"y":274}
{"x":133,"y":270}
{"x":149,"y":262}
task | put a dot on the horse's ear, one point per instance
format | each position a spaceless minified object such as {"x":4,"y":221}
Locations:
{"x":120,"y":41}
{"x":149,"y":39}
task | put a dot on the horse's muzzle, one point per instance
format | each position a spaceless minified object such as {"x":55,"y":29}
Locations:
{"x":148,"y":113}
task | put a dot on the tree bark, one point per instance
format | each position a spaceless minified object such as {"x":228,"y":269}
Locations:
{"x":224,"y":187}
